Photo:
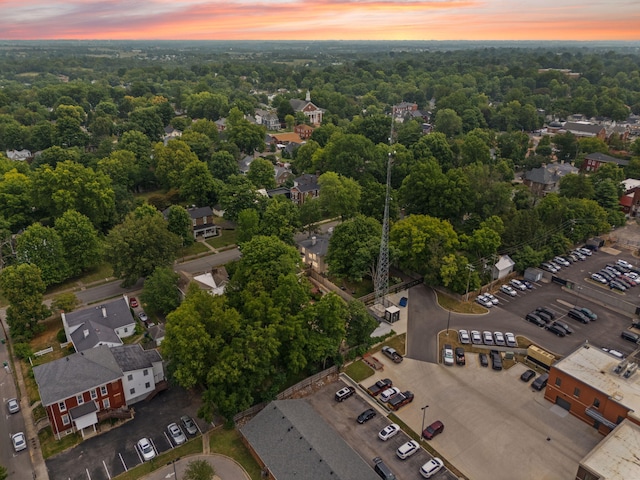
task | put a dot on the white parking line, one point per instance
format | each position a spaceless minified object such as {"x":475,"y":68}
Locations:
{"x":88,"y":475}
{"x":122,"y":460}
{"x":106,"y":470}
{"x":169,"y":440}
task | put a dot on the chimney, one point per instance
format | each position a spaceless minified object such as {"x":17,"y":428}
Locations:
{"x":86,"y":333}
{"x":313,"y":240}
{"x":104,"y":312}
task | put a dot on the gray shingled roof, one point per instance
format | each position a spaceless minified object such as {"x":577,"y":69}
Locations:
{"x":601,"y":157}
{"x":583,"y":127}
{"x":101,"y":328}
{"x":97,"y":334}
{"x":82,"y":410}
{"x":133,"y":357}
{"x":76,"y":373}
{"x":199,"y":212}
{"x":294,"y":442}
{"x":550,"y":174}
{"x":306,"y":182}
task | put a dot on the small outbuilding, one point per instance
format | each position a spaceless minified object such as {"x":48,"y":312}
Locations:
{"x":503,"y":267}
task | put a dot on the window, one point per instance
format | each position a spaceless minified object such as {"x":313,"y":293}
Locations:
{"x":65,"y":419}
{"x":80,"y":399}
{"x":62,"y":406}
{"x":596,"y":402}
{"x":145,"y":372}
{"x":103,"y":390}
{"x":130,"y":377}
{"x":132,"y":391}
{"x":106,"y":403}
{"x":558,"y":381}
{"x":147,"y":385}
{"x":94,"y":394}
{"x":126,"y":329}
{"x":576,"y":392}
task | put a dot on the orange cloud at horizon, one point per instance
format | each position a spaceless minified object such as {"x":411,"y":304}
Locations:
{"x":320,"y":20}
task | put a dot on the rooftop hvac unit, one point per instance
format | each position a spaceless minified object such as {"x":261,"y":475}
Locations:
{"x":620,"y":367}
{"x":630,"y":370}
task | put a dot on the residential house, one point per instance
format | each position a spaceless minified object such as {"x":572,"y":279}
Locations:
{"x":285,"y":138}
{"x":303,"y":130}
{"x":80,"y":390}
{"x":170,"y":133}
{"x":503,"y":267}
{"x":19,"y":155}
{"x":157,"y":333}
{"x":596,"y":387}
{"x":404,"y":107}
{"x":279,"y":191}
{"x":546,"y":179}
{"x":210,"y":284}
{"x":593,"y":161}
{"x":314,"y":250}
{"x":202,"y":222}
{"x":105,"y":324}
{"x":630,"y":201}
{"x":244,"y":164}
{"x":290,"y":441}
{"x":268,"y":119}
{"x":311,"y":111}
{"x":221,"y":124}
{"x":585,"y":129}
{"x":304,"y":187}
{"x":282,"y":173}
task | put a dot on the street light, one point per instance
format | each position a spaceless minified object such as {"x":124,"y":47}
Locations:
{"x":448,"y":320}
{"x":424,"y":410}
{"x":578,"y":288}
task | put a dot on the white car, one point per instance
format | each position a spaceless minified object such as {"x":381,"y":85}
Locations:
{"x":176,"y":434}
{"x":388,"y":393}
{"x":493,"y":299}
{"x":407,"y":449}
{"x":389,"y":431}
{"x":189,"y":425}
{"x":623,"y":263}
{"x":585,"y":251}
{"x":508,"y":290}
{"x":432,"y":467}
{"x":146,"y":449}
{"x":447,"y":355}
{"x":518,"y":284}
{"x":19,"y":442}
{"x":510,"y":338}
{"x":13,"y":406}
{"x":463,"y":336}
{"x":561,"y":261}
{"x":484,"y":301}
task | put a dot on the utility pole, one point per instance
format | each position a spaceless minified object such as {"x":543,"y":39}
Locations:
{"x":471,"y":268}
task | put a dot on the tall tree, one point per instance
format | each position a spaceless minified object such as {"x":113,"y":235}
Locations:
{"x":43,"y":247}
{"x":281,"y":219}
{"x":261,"y":173}
{"x":354,"y":248}
{"x":339,"y":195}
{"x":160,"y":292}
{"x":179,"y":222}
{"x":140,"y":244}
{"x":80,"y":242}
{"x":171,"y":161}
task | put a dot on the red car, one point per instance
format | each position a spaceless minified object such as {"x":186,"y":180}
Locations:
{"x":432,"y":430}
{"x":133,"y":302}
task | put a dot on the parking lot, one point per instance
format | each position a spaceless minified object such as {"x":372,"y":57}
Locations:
{"x":364,"y":438}
{"x":112,"y":453}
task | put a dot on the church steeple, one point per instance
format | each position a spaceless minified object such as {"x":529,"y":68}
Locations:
{"x":308,"y":97}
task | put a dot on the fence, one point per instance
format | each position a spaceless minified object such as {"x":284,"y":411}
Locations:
{"x":325,"y":282}
{"x":369,"y":297}
{"x":289,"y":392}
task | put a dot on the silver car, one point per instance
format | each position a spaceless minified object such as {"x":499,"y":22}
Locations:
{"x":476,"y":337}
{"x":19,"y":441}
{"x":510,"y":338}
{"x":176,"y":434}
{"x":499,"y":338}
{"x":189,"y":425}
{"x":13,"y":406}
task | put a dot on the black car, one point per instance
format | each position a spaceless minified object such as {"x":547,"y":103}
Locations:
{"x":484,"y":361}
{"x":460,"y":360}
{"x":547,"y":310}
{"x":496,"y":360}
{"x":543,"y":315}
{"x":367,"y":415}
{"x":566,"y":327}
{"x":527,"y":375}
{"x":578,"y":315}
{"x":535,"y":319}
{"x":559,"y":331}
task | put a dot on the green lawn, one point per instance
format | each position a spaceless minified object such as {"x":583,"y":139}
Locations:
{"x":228,"y":442}
{"x":358,"y":371}
{"x":193,"y":249}
{"x":455,"y":306}
{"x":228,"y":237}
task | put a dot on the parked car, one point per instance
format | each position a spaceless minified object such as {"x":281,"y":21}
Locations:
{"x":588,"y":313}
{"x":547,"y":310}
{"x":405,"y":450}
{"x":143,"y":317}
{"x":565,"y":326}
{"x":146,"y":449}
{"x":463,"y":336}
{"x":543,"y":315}
{"x":556,"y":329}
{"x":613,"y":352}
{"x":630,"y":336}
{"x":578,"y":315}
{"x":133,"y":303}
{"x":535,"y":319}
{"x":517,"y":284}
{"x":432,"y":430}
{"x":392,"y":354}
{"x":559,"y":260}
{"x":484,"y":360}
{"x":388,"y":432}
{"x":176,"y":434}
{"x":508,"y":290}
{"x":430,"y":468}
{"x":549,"y":267}
{"x":623,"y":263}
{"x":367,"y":415}
{"x":344,"y":393}
{"x":498,"y":338}
{"x":13,"y":406}
{"x":585,"y":251}
{"x":447,"y":355}
{"x":484,"y":301}
{"x":487,"y":337}
{"x":527,"y":375}
{"x":598,"y":278}
{"x":19,"y":441}
{"x":383,"y":470}
{"x":388,"y":393}
{"x":189,"y":425}
{"x":540,"y":382}
{"x":380,"y":386}
{"x":527,"y":284}
{"x":615,"y":285}
{"x":496,"y":360}
{"x":476,"y":337}
{"x":460,"y":360}
{"x":510,"y":339}
{"x":400,"y":400}
{"x":493,"y":298}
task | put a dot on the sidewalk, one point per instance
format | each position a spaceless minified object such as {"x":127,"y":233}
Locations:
{"x":225,"y":468}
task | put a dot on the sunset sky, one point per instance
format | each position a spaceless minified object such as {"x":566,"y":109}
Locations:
{"x":321,"y":19}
